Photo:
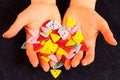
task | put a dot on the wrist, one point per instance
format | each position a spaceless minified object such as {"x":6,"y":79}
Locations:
{"x":85,"y":3}
{"x":44,"y":1}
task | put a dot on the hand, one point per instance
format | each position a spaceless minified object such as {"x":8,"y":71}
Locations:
{"x":91,"y":23}
{"x":32,"y":18}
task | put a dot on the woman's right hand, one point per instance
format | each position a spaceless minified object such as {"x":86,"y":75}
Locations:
{"x":31,"y":19}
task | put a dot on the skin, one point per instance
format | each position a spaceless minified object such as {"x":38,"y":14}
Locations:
{"x":31,"y":19}
{"x":91,"y":23}
{"x":82,"y":11}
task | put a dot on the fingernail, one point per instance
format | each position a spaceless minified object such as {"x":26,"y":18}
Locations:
{"x":115,"y":42}
{"x":46,"y":69}
{"x":52,"y":65}
{"x":35,"y":65}
{"x":3,"y":35}
{"x":67,"y":68}
{"x":85,"y":64}
{"x":74,"y":65}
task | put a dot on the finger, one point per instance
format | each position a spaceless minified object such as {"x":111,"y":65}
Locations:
{"x":89,"y":55}
{"x":31,"y":53}
{"x":52,"y":63}
{"x":65,"y":20}
{"x":45,"y":65}
{"x":56,"y":17}
{"x":16,"y":27}
{"x":59,"y":57}
{"x":67,"y":64}
{"x":106,"y":32}
{"x":76,"y":59}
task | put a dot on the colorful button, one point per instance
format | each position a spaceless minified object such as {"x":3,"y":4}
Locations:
{"x":62,"y":43}
{"x":69,"y":55}
{"x":55,"y":37}
{"x":57,"y":40}
{"x":63,"y":33}
{"x":68,"y":49}
{"x":77,"y":47}
{"x":57,"y":25}
{"x":53,"y":58}
{"x":78,"y":37}
{"x":83,"y":47}
{"x":70,"y":43}
{"x":32,"y":40}
{"x":55,"y":72}
{"x":45,"y":50}
{"x":34,"y":32}
{"x":46,"y":59}
{"x":70,"y":22}
{"x":44,"y":34}
{"x":53,"y":48}
{"x":50,"y":24}
{"x":45,"y":29}
{"x":36,"y":47}
{"x":61,"y":51}
{"x":23,"y":45}
{"x":58,"y":65}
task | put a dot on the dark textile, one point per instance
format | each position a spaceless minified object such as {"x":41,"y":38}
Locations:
{"x":14,"y":64}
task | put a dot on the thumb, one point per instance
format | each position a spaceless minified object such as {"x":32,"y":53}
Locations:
{"x":107,"y":34}
{"x":64,"y":21}
{"x":16,"y":27}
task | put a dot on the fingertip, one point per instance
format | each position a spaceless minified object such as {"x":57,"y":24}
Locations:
{"x":3,"y":35}
{"x":35,"y":64}
{"x":6,"y":35}
{"x":67,"y":64}
{"x":111,"y":41}
{"x":76,"y":59}
{"x":87,"y":60}
{"x":46,"y":69}
{"x":59,"y":57}
{"x":84,"y":63}
{"x":32,"y":55}
{"x":74,"y":65}
{"x":89,"y":56}
{"x":44,"y":65}
{"x":52,"y":63}
{"x":107,"y":33}
{"x":19,"y":23}
{"x":67,"y":68}
{"x":11,"y":32}
{"x":114,"y":42}
{"x":109,"y":37}
{"x":34,"y":61}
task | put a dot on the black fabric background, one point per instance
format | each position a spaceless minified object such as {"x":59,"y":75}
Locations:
{"x":14,"y":64}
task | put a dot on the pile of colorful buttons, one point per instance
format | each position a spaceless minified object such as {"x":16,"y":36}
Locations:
{"x":54,"y":39}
